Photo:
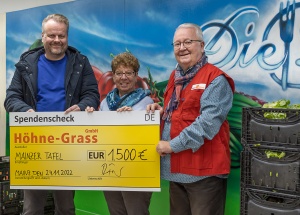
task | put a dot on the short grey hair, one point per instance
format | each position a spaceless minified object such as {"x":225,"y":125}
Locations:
{"x":192,"y":25}
{"x":57,"y":18}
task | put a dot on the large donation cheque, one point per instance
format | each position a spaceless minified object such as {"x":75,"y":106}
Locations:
{"x":85,"y":151}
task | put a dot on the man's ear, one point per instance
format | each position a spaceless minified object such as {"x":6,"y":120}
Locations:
{"x":42,"y":37}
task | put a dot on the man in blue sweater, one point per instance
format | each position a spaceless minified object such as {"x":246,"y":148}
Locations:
{"x":55,"y":77}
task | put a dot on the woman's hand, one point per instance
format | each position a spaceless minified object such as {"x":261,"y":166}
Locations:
{"x":124,"y":108}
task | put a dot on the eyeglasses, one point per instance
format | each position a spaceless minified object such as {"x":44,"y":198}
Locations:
{"x":186,"y":43}
{"x":128,"y":74}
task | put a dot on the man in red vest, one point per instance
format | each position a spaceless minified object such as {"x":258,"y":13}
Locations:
{"x":194,"y":146}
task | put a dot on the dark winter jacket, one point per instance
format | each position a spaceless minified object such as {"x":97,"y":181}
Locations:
{"x":80,"y":83}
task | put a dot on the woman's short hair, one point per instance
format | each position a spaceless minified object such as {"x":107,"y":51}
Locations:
{"x":126,"y":59}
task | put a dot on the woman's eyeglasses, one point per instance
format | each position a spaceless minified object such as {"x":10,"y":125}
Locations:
{"x":128,"y":74}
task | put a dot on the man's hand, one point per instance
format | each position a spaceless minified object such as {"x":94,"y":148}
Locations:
{"x":72,"y":108}
{"x":30,"y":110}
{"x":163,"y":148}
{"x":153,"y":107}
{"x":89,"y":109}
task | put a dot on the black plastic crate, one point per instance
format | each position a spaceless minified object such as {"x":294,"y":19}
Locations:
{"x":8,"y":195}
{"x":11,"y":208}
{"x":273,"y":168}
{"x":259,"y":202}
{"x":4,"y":173}
{"x":4,"y":159}
{"x":255,"y":127}
{"x":4,"y":168}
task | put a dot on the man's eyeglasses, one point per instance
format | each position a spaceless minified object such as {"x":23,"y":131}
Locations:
{"x":186,"y":43}
{"x":128,"y":74}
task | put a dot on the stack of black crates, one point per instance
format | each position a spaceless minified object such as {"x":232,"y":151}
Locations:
{"x":11,"y":200}
{"x":270,"y":162}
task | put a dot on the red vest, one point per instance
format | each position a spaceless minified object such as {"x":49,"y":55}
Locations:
{"x":213,"y":157}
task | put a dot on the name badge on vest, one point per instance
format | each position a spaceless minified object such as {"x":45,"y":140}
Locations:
{"x":198,"y":86}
